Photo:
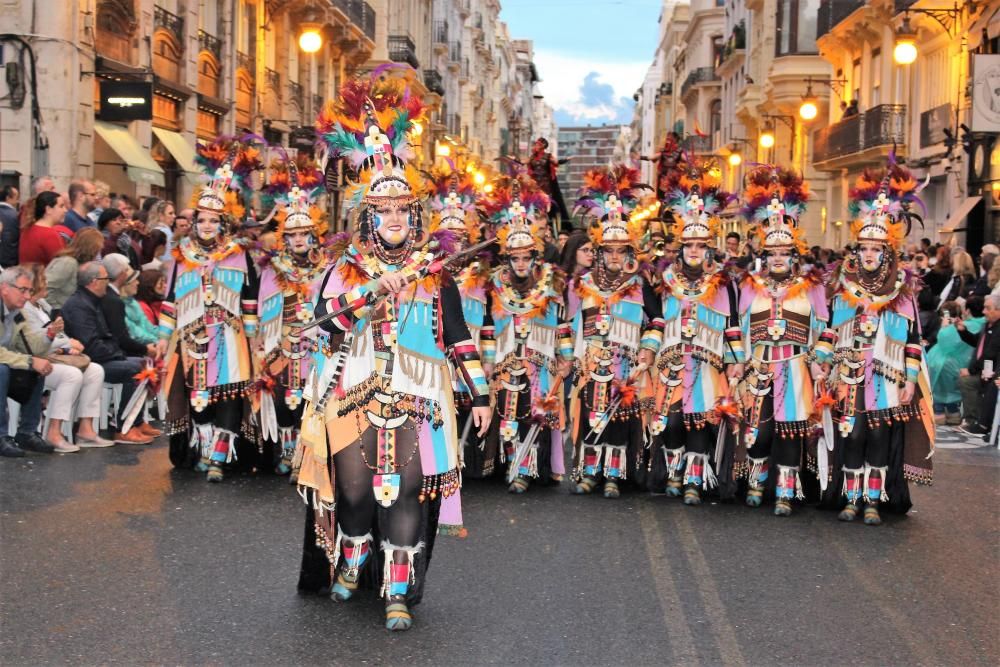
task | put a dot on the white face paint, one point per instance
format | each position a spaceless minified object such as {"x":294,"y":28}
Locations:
{"x":299,"y":241}
{"x":614,"y":258}
{"x":522,"y":263}
{"x":392,"y":223}
{"x":779,"y":262}
{"x":694,"y":254}
{"x":208,"y":225}
{"x":871,"y":255}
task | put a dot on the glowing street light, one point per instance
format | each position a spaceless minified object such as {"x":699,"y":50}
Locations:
{"x":479,"y":178}
{"x":416,"y":129}
{"x":905,"y":51}
{"x":310,"y":37}
{"x":735,"y":159}
{"x":767,"y":138}
{"x":443,"y":150}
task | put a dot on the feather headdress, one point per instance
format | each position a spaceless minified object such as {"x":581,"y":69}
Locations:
{"x":369,"y":125}
{"x":880,"y":204}
{"x":293,"y":188}
{"x":497,"y":205}
{"x":228,"y":164}
{"x":518,"y":231}
{"x":453,"y":201}
{"x":773,"y":199}
{"x":607,"y":197}
{"x":695,"y":203}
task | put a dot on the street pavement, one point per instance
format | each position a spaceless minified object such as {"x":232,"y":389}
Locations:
{"x":112,"y":557}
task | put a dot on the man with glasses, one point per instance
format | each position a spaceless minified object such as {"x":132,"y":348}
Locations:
{"x":20,"y":374}
{"x":82,"y":200}
{"x":86,"y":323}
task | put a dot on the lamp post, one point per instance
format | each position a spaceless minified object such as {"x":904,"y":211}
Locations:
{"x":905,"y":51}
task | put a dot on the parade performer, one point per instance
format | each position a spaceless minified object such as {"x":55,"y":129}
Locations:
{"x":288,"y":276}
{"x":523,"y":339}
{"x":208,"y":316}
{"x":453,"y":208}
{"x":617,"y":331}
{"x":669,"y":162}
{"x":544,"y":168}
{"x":379,"y":434}
{"x":784,"y":313}
{"x":884,"y":430}
{"x":702,"y":342}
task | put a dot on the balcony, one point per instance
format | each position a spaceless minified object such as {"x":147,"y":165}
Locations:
{"x":861,"y":139}
{"x":273,"y":80}
{"x":455,"y":52}
{"x":832,"y":12}
{"x":402,"y":50}
{"x":168,"y":21}
{"x":440,"y":37}
{"x":696,"y":144}
{"x":699,"y":76}
{"x":453,"y":123}
{"x":296,"y":93}
{"x":210,"y":43}
{"x":246,"y":61}
{"x":360,"y":14}
{"x":434,"y":81}
{"x":463,"y":73}
{"x":464,"y":8}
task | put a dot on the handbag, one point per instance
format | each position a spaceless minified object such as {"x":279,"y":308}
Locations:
{"x":79,"y":361}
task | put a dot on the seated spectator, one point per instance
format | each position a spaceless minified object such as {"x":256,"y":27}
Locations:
{"x":60,"y":274}
{"x":67,"y":385}
{"x":85,"y":322}
{"x":152,"y":289}
{"x":979,"y":393}
{"x":114,"y":226}
{"x":21,"y":375}
{"x":82,"y":200}
{"x":139,"y":326}
{"x":948,"y":354}
{"x":40,"y":240}
{"x":122,"y":278}
{"x":10,"y":225}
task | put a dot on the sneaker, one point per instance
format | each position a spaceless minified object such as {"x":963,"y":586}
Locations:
{"x":96,"y":441}
{"x":33,"y":442}
{"x":64,"y":447}
{"x":973,"y":429}
{"x":133,"y":437}
{"x":9,"y":449}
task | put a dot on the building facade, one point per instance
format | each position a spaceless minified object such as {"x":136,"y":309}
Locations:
{"x":586,"y":147}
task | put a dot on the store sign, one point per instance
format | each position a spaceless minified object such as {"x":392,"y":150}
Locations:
{"x":126,"y":100}
{"x":933,"y":123}
{"x":986,"y":93}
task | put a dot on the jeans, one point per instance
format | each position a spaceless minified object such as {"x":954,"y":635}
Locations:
{"x":122,"y":371}
{"x":970,"y":386}
{"x":25,"y":387}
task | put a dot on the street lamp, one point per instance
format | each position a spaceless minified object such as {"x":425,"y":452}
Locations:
{"x":416,"y":129}
{"x":767,"y":137}
{"x":735,"y":159}
{"x":809,"y":108}
{"x":443,"y":150}
{"x":310,"y":36}
{"x":905,"y":51}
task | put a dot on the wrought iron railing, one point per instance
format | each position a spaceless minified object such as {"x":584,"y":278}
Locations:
{"x":246,"y":61}
{"x":440,"y":32}
{"x":169,"y":22}
{"x":698,"y":75}
{"x":455,"y":52}
{"x":273,"y":79}
{"x":210,"y":43}
{"x":360,"y":14}
{"x":402,"y":50}
{"x":434,"y":81}
{"x":297,"y":92}
{"x":883,"y":125}
{"x":832,"y":12}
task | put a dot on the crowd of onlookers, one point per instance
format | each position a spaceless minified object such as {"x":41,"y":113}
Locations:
{"x":80,"y":293}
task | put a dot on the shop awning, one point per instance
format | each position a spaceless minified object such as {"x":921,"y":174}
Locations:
{"x":956,"y":219}
{"x":182,"y":151}
{"x":139,"y":164}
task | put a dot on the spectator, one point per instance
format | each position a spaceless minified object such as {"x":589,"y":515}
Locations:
{"x":982,"y":286}
{"x":60,"y":274}
{"x":948,"y":354}
{"x":148,"y":203}
{"x":161,"y":217}
{"x":116,"y":236}
{"x":963,"y":276}
{"x":102,"y":200}
{"x":85,"y":322}
{"x":154,"y":252}
{"x":40,"y":240}
{"x":733,"y":245}
{"x":938,"y":277}
{"x":182,"y":223}
{"x":122,"y":278}
{"x":82,"y":200}
{"x":123,"y":204}
{"x":68,"y":386}
{"x":561,"y":239}
{"x":10,"y":225}
{"x":152,"y":289}
{"x":852,"y":109}
{"x":979,"y":393}
{"x":577,"y":254}
{"x":42,"y":184}
{"x":139,"y":326}
{"x":20,"y":374}
{"x":925,"y":245}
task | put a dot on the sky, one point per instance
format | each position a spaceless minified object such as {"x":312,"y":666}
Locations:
{"x":591,"y":55}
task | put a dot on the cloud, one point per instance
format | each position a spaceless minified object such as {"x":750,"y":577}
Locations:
{"x":586,"y":91}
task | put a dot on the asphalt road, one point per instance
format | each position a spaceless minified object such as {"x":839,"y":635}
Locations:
{"x":111,"y":557}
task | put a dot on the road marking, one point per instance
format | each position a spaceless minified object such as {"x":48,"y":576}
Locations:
{"x":682,"y":645}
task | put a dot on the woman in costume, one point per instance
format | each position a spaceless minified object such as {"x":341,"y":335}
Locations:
{"x":208,"y":316}
{"x":784,"y":314}
{"x":884,"y":429}
{"x":523,"y":341}
{"x":617,"y":328}
{"x":288,"y":277}
{"x":379,"y":434}
{"x":702,"y":343}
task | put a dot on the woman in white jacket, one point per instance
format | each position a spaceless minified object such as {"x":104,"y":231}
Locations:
{"x":66,"y":384}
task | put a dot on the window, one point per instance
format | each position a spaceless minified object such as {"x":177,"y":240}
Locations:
{"x":715,"y":117}
{"x":796,"y":27}
{"x":876,"y":78}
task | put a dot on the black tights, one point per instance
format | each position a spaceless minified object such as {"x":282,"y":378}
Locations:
{"x":676,"y":435}
{"x":357,"y":509}
{"x":865,"y":444}
{"x":770,"y":445}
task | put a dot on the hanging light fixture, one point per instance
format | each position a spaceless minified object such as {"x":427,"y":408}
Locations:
{"x":767,"y":137}
{"x":735,"y":159}
{"x":809,"y":108}
{"x":905,"y":51}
